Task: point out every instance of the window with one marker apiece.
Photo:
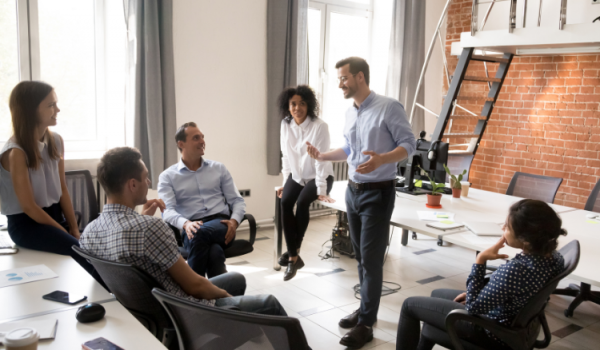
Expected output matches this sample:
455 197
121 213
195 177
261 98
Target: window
78 47
338 29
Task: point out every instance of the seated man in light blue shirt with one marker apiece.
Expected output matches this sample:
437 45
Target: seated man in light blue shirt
202 202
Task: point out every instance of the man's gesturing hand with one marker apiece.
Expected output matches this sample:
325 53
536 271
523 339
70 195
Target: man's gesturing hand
150 207
313 152
232 225
190 228
373 163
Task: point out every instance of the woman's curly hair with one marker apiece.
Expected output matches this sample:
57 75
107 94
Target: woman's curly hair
306 93
537 224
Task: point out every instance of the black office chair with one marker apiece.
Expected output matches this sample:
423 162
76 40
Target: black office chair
459 162
83 196
133 289
532 186
238 248
211 328
525 328
583 292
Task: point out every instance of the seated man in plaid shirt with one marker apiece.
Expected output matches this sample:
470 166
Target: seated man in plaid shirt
121 234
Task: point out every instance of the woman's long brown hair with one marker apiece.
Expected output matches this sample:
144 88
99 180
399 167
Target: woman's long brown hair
24 101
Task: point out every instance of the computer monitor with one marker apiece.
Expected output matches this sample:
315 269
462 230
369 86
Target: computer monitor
414 167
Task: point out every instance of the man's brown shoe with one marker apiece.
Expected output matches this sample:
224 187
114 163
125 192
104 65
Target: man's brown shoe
357 337
350 320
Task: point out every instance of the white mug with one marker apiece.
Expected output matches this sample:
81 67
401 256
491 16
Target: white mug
21 339
465 188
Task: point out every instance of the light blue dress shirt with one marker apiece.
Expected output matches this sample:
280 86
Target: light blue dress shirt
192 195
379 125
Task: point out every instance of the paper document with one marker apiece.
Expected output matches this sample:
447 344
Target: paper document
435 216
45 328
25 275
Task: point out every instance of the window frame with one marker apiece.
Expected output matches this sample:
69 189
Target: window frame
30 69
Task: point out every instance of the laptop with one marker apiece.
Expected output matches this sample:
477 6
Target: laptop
484 228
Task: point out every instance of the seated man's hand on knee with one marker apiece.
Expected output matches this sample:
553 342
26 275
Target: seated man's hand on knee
232 226
191 227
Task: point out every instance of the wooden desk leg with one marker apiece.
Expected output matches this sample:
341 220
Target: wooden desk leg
404 237
277 234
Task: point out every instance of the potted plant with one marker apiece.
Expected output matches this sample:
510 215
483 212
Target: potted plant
455 182
434 199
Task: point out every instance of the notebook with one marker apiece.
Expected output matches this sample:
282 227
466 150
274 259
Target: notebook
484 228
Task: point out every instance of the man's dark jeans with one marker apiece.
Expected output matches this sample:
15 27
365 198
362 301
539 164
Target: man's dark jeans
206 254
369 214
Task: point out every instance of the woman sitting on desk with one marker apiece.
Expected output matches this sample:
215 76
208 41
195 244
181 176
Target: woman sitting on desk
532 226
33 191
304 179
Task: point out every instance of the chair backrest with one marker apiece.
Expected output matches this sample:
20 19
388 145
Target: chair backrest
532 186
459 162
133 289
593 202
536 304
207 328
83 195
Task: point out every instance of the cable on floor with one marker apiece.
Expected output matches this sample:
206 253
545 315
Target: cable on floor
385 290
329 254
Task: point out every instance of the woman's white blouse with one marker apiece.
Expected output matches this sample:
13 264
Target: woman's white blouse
296 161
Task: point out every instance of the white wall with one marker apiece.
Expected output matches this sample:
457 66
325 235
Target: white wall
220 81
434 75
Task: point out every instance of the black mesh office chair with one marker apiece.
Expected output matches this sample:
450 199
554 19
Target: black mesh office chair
239 246
583 292
525 328
83 196
133 289
459 162
210 328
532 186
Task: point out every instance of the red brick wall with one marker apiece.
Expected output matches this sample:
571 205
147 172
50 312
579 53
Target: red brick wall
546 120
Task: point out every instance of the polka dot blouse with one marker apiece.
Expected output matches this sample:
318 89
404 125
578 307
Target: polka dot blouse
511 286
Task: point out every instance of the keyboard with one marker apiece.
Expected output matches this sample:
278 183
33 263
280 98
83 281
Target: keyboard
5 241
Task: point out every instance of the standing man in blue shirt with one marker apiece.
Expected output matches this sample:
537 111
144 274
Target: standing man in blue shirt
202 202
377 136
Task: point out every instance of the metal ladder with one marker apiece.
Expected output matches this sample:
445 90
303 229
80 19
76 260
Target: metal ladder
448 112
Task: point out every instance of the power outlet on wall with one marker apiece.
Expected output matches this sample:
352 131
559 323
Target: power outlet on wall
245 193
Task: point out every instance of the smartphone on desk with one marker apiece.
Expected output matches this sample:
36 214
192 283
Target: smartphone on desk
64 297
100 344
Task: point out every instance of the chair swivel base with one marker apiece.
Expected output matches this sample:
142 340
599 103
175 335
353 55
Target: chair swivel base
581 293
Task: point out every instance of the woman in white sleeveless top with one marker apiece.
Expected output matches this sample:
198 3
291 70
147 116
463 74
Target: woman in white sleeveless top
33 192
304 179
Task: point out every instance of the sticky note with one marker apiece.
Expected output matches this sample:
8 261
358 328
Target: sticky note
418 183
442 216
592 222
447 222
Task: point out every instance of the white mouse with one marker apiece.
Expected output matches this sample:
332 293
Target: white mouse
593 216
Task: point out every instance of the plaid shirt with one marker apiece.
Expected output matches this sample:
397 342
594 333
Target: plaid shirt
120 234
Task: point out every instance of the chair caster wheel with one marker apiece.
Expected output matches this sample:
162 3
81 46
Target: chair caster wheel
568 313
414 236
440 242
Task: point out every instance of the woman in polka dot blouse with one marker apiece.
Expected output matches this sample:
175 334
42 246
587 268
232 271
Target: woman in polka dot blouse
532 226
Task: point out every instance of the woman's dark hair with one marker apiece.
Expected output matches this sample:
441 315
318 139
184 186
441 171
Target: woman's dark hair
306 93
118 166
536 223
24 101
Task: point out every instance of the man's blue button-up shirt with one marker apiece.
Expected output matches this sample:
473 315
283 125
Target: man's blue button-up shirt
192 195
379 125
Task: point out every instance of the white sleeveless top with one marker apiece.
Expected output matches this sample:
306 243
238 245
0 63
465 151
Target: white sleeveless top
45 181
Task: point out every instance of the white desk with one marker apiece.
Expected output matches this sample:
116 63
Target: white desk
575 222
118 326
26 299
479 206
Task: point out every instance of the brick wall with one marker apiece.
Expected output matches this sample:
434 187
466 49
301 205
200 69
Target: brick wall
546 120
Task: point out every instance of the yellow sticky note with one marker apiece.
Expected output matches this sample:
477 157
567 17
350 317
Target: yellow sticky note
443 216
592 222
418 183
447 222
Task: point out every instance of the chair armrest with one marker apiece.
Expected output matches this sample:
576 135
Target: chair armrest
508 336
252 225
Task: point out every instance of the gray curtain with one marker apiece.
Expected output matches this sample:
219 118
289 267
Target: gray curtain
151 82
407 55
287 64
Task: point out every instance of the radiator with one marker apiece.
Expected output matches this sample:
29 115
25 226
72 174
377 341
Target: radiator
340 173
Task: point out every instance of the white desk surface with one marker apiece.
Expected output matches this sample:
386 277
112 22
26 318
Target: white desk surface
118 326
575 222
478 206
26 299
